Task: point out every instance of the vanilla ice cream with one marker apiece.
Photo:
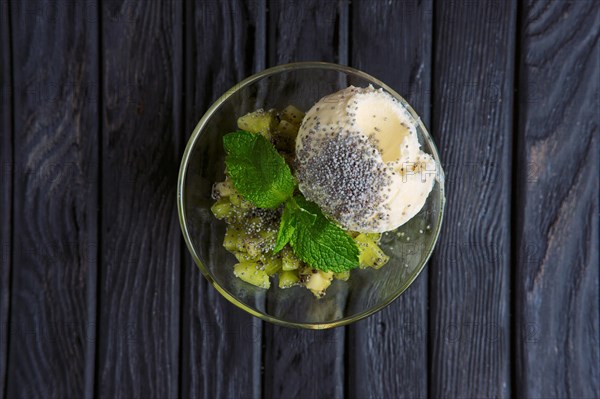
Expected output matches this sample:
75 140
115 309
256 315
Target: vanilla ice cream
358 158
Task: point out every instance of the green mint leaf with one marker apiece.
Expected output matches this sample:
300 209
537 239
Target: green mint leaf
320 243
309 208
286 226
259 173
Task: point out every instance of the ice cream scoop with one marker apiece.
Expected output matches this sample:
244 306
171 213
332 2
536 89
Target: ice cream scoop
359 158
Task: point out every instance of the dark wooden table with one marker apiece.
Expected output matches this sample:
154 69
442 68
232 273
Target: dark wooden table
98 296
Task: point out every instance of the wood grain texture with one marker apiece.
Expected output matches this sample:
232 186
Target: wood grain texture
304 363
76 118
55 70
304 31
389 349
557 324
6 187
472 124
138 325
221 344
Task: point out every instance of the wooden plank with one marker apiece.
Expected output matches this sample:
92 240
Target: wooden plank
389 349
302 363
556 275
304 31
221 344
55 71
138 334
6 186
472 124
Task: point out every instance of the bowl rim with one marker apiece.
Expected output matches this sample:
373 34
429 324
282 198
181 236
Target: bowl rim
183 173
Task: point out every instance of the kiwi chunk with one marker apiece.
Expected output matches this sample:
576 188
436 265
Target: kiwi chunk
243 256
222 208
289 260
250 244
251 272
288 278
316 280
237 240
260 121
292 115
272 264
370 253
375 237
239 202
231 242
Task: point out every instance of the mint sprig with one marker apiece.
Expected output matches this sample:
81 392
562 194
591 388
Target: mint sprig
258 171
286 226
320 243
261 175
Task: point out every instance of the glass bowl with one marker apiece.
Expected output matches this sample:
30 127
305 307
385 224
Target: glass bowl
367 291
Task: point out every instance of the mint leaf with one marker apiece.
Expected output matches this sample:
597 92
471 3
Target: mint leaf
259 173
287 226
309 208
320 243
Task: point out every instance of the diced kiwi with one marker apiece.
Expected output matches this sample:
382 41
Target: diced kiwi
370 253
317 281
222 208
256 244
253 224
288 278
268 236
375 237
292 115
259 121
252 273
243 256
289 261
344 276
237 240
239 202
250 244
272 264
231 242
